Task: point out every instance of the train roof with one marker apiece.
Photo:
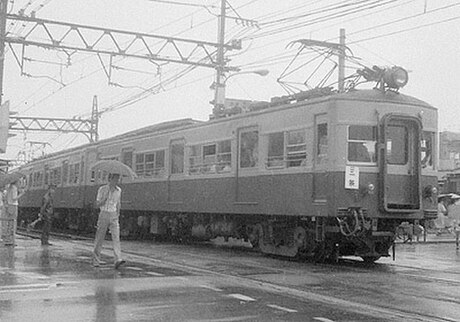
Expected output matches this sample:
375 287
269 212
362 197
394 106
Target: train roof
308 97
376 95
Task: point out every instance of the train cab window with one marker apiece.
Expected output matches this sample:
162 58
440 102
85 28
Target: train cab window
362 140
275 150
249 146
177 158
321 143
397 144
296 148
427 150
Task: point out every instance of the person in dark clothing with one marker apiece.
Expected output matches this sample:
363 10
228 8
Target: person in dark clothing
46 214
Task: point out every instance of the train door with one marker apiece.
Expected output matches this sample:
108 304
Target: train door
321 159
400 164
176 170
247 160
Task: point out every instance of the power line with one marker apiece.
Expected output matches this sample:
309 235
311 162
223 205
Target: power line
405 30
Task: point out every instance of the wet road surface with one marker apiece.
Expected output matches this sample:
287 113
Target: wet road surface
167 282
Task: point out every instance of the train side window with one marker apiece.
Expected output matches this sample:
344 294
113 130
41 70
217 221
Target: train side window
71 173
76 173
65 171
397 144
140 164
321 143
177 158
275 150
47 175
145 163
427 150
159 162
209 158
56 176
149 164
296 148
249 146
127 157
362 140
224 156
195 159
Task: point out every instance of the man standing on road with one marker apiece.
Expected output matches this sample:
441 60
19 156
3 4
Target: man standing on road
109 201
46 214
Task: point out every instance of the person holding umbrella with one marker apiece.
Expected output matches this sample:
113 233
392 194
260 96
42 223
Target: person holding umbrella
109 201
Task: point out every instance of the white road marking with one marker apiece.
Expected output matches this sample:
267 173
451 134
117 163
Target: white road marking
322 319
210 287
25 287
134 268
282 308
242 297
32 275
154 274
232 319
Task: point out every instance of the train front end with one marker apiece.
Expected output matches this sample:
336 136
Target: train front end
388 184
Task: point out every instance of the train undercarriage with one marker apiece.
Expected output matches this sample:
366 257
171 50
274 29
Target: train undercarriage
319 238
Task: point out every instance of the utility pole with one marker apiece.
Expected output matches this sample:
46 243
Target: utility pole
219 92
341 83
94 134
3 12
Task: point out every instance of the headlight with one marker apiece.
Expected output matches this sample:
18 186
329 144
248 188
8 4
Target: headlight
396 77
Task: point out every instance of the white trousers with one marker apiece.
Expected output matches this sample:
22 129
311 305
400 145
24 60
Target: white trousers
107 220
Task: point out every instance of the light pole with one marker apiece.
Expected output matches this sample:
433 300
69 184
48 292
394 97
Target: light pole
219 90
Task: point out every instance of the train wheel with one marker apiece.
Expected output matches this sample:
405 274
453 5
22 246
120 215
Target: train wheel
370 259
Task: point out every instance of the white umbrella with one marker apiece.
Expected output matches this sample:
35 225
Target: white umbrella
114 167
11 177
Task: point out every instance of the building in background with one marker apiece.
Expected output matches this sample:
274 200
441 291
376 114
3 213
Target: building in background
449 161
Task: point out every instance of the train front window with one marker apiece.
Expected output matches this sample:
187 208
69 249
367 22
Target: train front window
362 140
397 144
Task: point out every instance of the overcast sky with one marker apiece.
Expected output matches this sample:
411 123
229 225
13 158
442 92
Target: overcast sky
422 36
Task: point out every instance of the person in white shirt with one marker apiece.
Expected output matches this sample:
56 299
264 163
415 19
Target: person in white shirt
109 201
11 213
